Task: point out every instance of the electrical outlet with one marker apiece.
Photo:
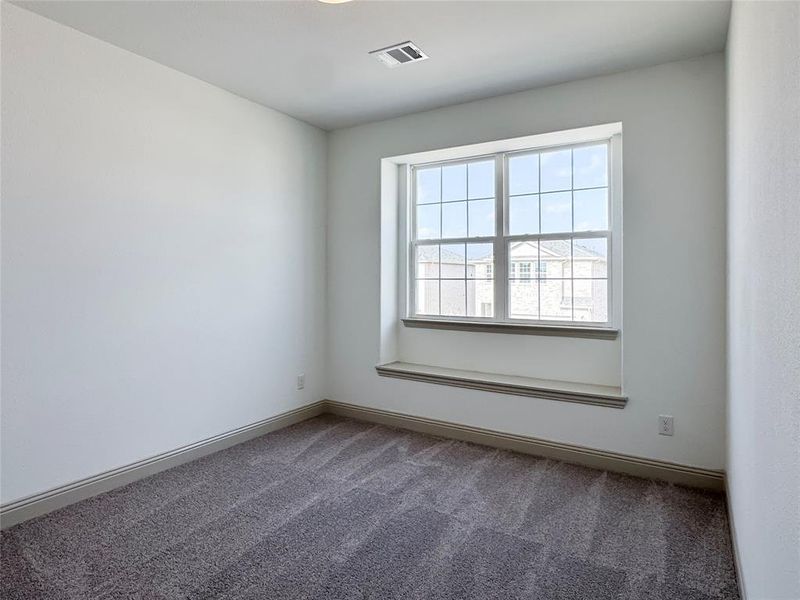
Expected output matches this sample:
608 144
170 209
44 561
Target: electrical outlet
301 381
666 425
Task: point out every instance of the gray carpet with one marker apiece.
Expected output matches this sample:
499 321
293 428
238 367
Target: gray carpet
338 509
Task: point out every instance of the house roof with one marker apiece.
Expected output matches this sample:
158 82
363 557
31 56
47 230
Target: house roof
556 249
553 248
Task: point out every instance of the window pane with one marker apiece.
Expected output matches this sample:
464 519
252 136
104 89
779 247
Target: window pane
480 258
523 299
591 210
427 262
429 185
590 166
523 214
556 170
480 298
523 174
454 183
454 220
481 218
519 253
556 259
556 299
481 179
590 257
591 300
556 212
454 297
428 221
427 297
453 260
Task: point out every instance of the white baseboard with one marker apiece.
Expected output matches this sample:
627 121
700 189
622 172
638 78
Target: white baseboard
737 557
36 505
591 457
50 500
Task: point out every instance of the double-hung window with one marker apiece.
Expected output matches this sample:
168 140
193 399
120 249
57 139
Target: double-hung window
513 237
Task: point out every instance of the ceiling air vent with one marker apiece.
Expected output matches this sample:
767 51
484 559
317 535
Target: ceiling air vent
399 54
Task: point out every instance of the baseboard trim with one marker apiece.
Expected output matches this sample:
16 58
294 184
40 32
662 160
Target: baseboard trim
36 505
591 457
40 504
737 557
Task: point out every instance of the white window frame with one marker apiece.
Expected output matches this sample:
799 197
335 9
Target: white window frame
501 239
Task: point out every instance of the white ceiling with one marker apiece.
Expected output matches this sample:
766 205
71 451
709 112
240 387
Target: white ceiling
310 60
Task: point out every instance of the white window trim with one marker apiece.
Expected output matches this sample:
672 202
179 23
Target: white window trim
612 134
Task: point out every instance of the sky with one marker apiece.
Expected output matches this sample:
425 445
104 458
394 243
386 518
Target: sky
549 192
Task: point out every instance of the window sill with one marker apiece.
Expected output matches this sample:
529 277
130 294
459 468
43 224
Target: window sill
597 395
595 333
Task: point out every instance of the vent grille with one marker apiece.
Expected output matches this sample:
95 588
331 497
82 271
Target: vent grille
399 54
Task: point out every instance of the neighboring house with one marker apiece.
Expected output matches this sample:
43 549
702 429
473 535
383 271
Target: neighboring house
459 289
565 287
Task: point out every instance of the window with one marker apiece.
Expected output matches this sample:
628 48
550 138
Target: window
520 237
520 272
524 271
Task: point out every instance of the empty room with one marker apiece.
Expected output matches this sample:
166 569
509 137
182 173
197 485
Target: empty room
400 299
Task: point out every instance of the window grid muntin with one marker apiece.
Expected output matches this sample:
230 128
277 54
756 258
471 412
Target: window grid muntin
441 240
501 263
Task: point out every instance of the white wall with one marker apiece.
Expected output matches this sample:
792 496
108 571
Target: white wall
575 360
764 295
163 271
674 213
